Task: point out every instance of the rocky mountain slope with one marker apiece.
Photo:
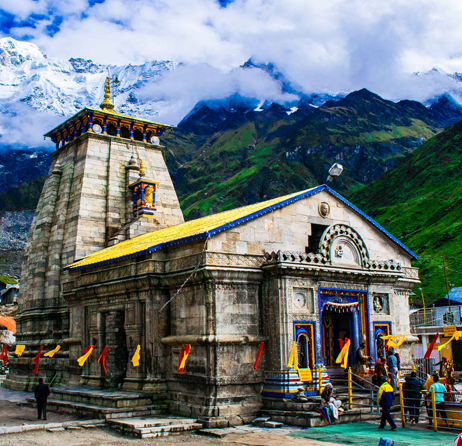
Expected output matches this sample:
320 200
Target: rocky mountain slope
420 202
246 156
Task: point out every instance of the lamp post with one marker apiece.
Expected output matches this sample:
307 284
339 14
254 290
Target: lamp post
423 301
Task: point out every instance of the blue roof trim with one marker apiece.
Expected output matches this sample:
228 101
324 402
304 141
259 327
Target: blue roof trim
248 217
371 221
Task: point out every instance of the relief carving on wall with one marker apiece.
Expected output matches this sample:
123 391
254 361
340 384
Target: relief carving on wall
324 209
302 300
380 304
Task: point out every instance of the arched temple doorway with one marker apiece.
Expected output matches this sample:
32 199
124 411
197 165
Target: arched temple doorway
343 315
304 336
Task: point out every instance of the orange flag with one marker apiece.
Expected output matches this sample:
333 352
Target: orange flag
185 350
51 353
136 357
19 350
86 353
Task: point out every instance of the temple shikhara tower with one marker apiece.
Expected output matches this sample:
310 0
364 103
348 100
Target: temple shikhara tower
111 262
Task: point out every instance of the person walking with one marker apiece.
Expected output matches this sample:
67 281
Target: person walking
440 389
412 392
385 400
42 391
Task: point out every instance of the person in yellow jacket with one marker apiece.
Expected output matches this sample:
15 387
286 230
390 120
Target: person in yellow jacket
385 400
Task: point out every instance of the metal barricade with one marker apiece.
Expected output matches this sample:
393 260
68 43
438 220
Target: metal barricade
442 410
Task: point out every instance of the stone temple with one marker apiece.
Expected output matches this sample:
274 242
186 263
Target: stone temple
111 262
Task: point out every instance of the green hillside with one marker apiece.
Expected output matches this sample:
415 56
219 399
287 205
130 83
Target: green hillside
420 202
269 156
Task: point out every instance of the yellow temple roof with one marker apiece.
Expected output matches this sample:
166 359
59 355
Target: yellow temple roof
185 232
207 226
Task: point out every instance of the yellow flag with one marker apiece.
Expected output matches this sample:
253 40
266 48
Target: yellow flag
51 353
136 357
455 336
83 358
343 355
396 344
293 357
19 350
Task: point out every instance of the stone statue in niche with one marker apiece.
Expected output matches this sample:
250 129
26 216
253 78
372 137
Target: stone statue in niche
339 251
149 194
378 304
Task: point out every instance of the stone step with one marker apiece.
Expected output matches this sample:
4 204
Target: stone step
98 397
309 406
147 427
102 412
314 419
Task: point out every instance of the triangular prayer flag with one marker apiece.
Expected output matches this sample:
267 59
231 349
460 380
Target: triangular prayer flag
37 359
185 350
19 350
136 357
4 354
103 356
293 357
86 353
260 349
51 353
431 346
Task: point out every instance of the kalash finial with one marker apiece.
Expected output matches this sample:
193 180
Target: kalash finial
142 171
107 104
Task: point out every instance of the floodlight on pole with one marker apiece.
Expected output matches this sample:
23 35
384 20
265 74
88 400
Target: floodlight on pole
334 171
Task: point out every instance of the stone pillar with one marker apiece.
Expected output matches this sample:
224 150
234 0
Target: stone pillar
117 354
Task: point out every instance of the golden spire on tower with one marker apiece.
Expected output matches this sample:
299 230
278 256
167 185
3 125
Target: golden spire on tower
107 104
142 170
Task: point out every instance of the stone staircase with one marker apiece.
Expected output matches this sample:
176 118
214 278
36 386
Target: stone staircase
306 414
103 404
154 426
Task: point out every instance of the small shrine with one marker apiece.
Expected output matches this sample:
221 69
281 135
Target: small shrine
144 195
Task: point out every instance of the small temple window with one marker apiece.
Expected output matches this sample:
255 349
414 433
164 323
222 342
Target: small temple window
111 129
315 237
138 135
125 132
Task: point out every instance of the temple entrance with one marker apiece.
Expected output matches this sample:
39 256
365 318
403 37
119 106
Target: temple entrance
304 336
336 325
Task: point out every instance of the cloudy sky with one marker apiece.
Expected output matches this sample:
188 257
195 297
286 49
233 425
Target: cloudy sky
328 44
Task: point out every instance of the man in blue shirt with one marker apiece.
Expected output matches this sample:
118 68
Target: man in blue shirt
392 367
439 397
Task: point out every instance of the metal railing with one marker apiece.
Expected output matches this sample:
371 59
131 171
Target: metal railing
439 414
436 317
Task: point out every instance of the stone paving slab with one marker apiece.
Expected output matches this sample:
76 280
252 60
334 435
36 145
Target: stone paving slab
51 426
138 423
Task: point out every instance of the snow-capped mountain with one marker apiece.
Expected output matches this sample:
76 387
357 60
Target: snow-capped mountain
64 87
38 92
